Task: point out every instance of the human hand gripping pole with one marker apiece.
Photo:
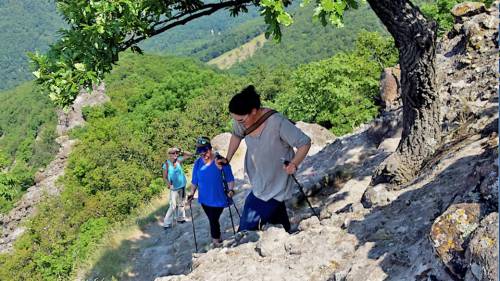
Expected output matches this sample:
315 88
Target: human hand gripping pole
286 163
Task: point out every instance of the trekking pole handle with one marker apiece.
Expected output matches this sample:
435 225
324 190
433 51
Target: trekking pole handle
287 162
220 157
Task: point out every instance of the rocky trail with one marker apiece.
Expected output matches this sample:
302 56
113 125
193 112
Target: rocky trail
443 225
156 252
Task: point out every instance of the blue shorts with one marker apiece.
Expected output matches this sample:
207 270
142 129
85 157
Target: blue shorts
257 213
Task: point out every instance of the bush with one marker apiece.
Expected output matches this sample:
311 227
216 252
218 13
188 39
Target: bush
338 93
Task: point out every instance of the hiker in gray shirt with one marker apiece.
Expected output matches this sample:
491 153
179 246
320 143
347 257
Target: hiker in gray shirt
268 143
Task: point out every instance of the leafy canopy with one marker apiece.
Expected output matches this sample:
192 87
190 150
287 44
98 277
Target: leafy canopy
99 30
338 93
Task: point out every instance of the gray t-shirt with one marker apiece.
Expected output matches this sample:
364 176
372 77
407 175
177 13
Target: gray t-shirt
263 162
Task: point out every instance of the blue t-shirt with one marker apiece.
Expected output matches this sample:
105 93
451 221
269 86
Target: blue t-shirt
175 175
208 178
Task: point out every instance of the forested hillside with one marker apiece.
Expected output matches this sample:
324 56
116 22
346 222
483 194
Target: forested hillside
316 74
27 140
156 103
23 32
208 37
27 25
307 40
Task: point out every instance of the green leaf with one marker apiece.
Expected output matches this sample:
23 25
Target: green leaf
79 66
328 5
285 19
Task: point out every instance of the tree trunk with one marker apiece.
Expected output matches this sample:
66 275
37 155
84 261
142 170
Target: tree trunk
415 38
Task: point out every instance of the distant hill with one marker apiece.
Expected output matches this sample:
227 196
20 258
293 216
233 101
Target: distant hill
205 38
306 41
208 37
27 25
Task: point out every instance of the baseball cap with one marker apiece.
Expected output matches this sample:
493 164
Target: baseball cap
202 144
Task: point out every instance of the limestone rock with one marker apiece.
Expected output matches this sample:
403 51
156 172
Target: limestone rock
220 143
376 196
390 86
482 253
320 136
386 130
468 9
465 71
451 230
489 189
271 242
73 117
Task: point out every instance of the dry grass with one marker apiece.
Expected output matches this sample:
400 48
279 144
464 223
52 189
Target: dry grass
130 230
239 54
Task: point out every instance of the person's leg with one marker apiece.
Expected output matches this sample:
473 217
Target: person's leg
251 217
257 213
168 219
181 212
280 216
213 214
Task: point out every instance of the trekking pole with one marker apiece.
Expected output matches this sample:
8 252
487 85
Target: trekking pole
232 222
226 191
194 231
286 162
229 200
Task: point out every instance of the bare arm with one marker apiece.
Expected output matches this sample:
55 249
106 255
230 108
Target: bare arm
234 143
193 191
185 155
299 157
165 178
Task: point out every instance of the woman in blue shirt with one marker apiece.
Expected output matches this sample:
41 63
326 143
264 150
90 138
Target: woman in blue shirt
207 179
174 177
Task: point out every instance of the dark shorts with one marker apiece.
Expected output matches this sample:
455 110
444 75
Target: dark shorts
257 213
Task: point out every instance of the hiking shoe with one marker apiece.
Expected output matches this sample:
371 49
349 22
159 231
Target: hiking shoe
181 221
165 227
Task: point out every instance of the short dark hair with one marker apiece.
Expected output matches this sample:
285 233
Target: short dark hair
246 100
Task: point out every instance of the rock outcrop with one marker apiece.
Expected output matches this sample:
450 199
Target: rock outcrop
390 87
46 180
482 253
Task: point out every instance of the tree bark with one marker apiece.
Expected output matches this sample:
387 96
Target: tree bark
415 38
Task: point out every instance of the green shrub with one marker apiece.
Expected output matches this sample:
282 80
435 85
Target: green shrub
338 93
440 11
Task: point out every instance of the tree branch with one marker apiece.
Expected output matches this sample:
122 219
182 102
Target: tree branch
183 18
